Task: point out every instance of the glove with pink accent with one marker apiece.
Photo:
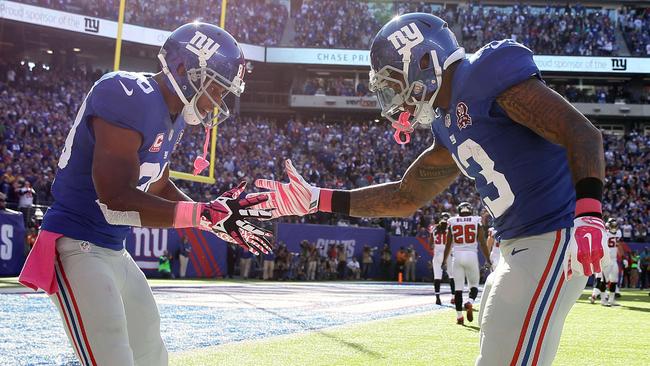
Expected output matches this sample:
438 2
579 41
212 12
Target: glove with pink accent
296 198
587 252
228 218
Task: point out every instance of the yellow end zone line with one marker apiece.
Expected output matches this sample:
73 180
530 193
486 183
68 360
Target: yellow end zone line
191 177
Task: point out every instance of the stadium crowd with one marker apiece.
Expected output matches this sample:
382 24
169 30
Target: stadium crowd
337 86
260 22
635 24
38 106
554 29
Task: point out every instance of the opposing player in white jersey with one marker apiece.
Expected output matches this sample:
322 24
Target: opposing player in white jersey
605 282
493 247
437 241
610 273
465 232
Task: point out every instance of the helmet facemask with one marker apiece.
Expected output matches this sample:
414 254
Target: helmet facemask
201 80
394 91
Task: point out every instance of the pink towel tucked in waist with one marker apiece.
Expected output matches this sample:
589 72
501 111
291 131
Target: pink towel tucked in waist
38 271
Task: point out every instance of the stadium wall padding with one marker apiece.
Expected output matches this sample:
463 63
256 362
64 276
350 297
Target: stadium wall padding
208 255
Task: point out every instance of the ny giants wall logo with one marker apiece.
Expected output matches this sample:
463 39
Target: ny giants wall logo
405 39
202 46
462 116
91 25
619 64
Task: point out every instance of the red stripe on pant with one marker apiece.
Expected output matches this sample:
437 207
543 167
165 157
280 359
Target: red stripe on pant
67 323
76 310
533 301
547 319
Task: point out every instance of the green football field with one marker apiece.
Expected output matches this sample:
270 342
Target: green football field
593 335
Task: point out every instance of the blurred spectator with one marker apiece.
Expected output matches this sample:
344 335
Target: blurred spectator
366 261
245 263
644 268
269 265
635 26
342 260
164 265
354 268
3 202
400 261
184 256
231 259
409 266
312 262
634 269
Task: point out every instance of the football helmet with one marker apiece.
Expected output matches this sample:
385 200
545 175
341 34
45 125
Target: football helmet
612 225
445 216
407 59
209 55
465 209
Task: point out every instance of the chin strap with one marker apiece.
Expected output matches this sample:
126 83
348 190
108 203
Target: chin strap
403 125
200 163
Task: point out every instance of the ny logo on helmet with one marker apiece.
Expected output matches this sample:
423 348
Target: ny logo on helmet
202 46
405 39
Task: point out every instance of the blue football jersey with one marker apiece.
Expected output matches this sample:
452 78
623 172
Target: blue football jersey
128 100
523 179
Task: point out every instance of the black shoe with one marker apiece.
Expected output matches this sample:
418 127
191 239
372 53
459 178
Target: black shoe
438 302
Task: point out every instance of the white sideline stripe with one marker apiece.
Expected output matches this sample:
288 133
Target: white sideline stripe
147 264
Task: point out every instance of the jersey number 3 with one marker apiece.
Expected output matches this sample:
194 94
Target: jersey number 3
505 198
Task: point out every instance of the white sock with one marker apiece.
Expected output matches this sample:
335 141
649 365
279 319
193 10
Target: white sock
459 314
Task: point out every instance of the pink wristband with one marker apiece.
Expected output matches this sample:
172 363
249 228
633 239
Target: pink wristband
187 214
588 205
325 200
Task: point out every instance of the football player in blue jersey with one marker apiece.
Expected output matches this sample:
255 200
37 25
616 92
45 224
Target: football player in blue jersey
536 161
114 174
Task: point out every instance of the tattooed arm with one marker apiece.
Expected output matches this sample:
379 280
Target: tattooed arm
536 106
432 172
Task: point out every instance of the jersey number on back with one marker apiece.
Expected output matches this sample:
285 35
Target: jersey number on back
439 238
464 234
505 198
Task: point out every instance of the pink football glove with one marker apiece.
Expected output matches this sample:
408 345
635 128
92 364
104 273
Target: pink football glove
296 198
587 247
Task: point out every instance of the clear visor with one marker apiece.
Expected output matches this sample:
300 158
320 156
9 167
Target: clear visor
201 79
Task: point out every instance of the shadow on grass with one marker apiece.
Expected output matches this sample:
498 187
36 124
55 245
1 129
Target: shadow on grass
356 346
473 328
